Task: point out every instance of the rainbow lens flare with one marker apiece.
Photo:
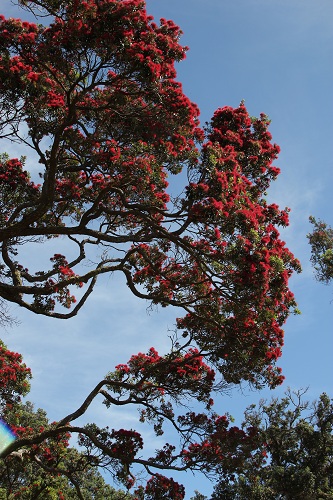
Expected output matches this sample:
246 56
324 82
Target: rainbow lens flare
7 436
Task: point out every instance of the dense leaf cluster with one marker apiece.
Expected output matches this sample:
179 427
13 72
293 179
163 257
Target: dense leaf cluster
321 241
294 459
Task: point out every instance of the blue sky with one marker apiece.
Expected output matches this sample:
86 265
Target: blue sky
277 55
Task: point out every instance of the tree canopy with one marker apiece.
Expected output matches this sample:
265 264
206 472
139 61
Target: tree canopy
294 458
321 241
93 98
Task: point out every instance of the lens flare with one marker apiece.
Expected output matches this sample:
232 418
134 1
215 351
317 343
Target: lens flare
7 436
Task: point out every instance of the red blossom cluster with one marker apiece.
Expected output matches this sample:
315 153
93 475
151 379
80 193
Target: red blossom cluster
156 375
16 187
161 487
14 376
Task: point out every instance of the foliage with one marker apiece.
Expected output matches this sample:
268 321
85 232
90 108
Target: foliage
321 241
93 98
294 459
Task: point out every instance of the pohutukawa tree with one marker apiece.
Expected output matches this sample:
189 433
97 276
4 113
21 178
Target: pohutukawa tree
94 100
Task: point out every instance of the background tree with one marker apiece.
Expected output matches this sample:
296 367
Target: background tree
295 456
93 97
198 496
321 241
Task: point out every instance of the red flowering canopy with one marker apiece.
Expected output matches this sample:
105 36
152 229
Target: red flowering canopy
94 99
93 96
